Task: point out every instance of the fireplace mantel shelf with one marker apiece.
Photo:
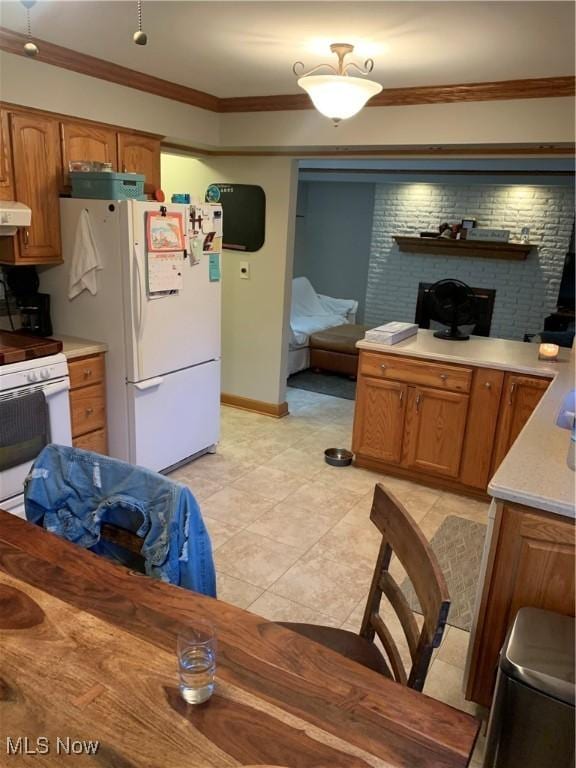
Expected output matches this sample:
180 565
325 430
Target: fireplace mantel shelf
479 249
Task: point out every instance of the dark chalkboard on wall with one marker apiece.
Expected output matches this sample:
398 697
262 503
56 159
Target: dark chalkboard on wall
244 209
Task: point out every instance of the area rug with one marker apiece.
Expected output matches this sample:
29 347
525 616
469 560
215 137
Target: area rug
458 545
324 383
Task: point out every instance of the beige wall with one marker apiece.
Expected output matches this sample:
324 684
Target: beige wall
479 122
34 84
254 312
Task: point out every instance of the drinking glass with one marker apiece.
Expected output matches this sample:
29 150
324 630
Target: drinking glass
197 661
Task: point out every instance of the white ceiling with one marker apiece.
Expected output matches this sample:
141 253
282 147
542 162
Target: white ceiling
247 48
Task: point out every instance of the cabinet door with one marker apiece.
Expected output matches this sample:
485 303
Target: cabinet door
521 395
379 420
140 154
481 427
531 563
83 141
435 427
36 159
6 189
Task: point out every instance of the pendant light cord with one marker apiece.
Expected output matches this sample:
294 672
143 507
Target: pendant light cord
139 15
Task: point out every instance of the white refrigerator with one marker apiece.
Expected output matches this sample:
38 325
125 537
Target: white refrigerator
163 358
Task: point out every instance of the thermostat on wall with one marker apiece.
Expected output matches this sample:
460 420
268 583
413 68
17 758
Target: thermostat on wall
244 213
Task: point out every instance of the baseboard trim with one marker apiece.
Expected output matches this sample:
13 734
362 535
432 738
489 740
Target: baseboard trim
276 410
429 481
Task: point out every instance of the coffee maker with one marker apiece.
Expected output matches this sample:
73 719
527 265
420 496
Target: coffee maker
34 307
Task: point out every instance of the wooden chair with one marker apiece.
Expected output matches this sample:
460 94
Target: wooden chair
400 536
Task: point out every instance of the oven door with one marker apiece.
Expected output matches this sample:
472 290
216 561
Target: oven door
56 394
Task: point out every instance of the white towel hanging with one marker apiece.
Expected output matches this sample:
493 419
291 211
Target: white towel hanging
85 259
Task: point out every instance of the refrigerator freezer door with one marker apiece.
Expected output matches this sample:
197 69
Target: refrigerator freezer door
169 332
174 416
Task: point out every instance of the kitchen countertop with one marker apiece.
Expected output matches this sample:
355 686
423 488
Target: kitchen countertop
74 347
534 472
503 354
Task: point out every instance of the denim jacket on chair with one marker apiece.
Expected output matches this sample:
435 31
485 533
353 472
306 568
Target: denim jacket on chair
71 492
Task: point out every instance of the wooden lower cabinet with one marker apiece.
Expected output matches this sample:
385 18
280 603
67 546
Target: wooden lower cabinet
434 430
530 563
379 423
88 403
521 395
446 425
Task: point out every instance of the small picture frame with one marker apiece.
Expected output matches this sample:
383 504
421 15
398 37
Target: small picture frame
468 223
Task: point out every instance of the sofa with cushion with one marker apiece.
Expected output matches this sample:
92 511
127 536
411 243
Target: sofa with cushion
310 313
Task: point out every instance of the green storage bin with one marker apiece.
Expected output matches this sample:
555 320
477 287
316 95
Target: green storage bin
108 185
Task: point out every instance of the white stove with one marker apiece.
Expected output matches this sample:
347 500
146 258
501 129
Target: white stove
49 375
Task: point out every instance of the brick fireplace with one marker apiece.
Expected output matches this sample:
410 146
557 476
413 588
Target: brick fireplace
526 291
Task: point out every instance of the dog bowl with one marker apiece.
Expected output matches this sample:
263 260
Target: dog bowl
338 457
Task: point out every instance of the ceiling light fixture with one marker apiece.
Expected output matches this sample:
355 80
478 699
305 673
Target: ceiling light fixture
139 37
338 96
30 48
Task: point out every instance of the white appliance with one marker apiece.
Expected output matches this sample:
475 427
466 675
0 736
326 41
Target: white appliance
12 216
163 359
50 375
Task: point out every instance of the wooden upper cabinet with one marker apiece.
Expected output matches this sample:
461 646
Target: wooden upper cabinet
37 174
435 428
6 183
379 420
521 394
140 154
84 141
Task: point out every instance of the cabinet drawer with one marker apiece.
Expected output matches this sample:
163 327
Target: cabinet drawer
88 370
412 371
87 406
93 441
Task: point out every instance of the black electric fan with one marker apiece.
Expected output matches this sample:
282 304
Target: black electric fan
452 303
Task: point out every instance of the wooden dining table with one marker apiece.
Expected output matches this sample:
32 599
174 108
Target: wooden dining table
88 674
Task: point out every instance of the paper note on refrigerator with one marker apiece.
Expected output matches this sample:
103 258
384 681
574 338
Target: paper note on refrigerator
214 267
165 272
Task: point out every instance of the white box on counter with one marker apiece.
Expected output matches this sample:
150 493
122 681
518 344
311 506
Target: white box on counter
391 333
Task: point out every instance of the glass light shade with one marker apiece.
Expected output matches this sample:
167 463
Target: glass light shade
339 96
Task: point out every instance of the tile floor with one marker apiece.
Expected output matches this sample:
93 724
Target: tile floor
292 535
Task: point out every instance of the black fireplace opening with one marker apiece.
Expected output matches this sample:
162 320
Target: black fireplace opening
484 303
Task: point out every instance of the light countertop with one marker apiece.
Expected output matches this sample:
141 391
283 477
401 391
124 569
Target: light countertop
534 472
503 354
74 347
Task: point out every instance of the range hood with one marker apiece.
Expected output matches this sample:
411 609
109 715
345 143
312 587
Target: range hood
12 216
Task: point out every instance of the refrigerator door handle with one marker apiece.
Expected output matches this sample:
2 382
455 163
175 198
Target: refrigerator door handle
142 386
140 323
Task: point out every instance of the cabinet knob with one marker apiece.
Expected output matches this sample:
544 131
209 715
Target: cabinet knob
89 411
488 384
87 372
26 237
512 390
418 401
383 366
444 376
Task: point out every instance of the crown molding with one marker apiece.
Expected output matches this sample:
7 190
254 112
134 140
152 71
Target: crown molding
480 150
535 88
59 56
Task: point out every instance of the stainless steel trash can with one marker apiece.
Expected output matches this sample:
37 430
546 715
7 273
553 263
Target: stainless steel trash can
532 716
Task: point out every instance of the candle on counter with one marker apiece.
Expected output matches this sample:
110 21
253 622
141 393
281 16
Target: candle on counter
548 352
